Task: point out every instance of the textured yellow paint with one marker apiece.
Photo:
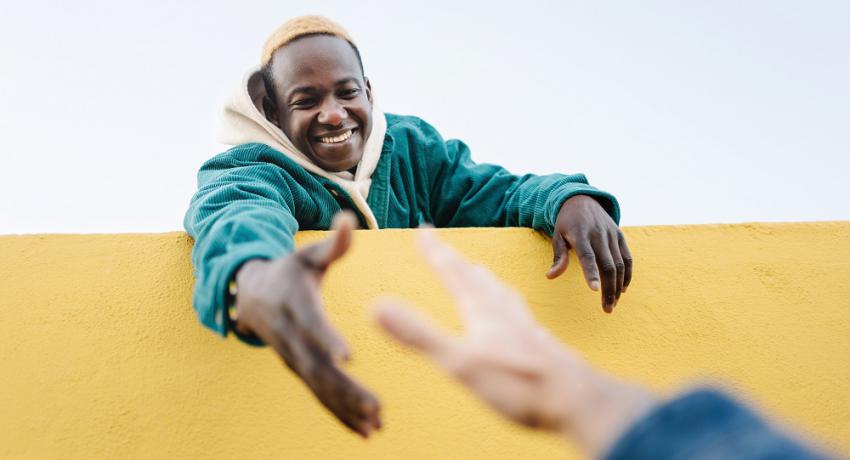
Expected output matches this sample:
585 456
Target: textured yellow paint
102 355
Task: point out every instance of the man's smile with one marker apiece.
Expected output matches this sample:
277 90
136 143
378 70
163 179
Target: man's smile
335 138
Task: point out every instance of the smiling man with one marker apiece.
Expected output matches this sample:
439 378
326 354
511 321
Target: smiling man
309 142
299 78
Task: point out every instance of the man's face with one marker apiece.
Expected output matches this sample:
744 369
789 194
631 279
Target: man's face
323 102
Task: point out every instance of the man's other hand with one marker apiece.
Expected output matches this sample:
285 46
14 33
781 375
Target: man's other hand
279 301
584 226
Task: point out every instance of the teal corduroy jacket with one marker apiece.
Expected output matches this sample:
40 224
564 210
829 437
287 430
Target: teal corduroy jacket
252 199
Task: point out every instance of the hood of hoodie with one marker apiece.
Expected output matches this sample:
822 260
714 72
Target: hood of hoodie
244 122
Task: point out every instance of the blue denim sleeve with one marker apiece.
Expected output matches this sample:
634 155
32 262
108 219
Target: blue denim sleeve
705 424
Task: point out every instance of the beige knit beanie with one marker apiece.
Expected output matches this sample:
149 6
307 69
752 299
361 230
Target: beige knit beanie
299 27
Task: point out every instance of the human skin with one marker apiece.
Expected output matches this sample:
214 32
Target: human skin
320 95
511 362
320 92
582 225
279 302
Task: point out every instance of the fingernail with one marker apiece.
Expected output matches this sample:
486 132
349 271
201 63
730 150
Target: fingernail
594 285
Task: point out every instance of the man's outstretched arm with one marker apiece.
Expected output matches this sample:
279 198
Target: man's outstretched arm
242 210
243 224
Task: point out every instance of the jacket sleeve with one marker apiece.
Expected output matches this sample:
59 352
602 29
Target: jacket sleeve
243 209
466 194
705 424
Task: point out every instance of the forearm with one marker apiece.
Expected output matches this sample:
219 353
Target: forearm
218 255
596 408
472 195
229 232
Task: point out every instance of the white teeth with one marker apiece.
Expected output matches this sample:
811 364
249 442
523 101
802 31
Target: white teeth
336 139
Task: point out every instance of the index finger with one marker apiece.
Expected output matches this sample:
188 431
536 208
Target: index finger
355 407
352 404
608 270
627 259
587 259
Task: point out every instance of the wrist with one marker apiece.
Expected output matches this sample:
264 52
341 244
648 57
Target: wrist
241 278
601 409
248 268
579 199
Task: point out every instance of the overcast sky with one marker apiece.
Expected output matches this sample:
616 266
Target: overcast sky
689 112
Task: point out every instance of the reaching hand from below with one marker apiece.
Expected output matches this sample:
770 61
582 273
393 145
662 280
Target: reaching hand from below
510 361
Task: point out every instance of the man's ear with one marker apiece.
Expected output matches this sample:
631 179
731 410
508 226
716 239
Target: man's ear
368 89
270 109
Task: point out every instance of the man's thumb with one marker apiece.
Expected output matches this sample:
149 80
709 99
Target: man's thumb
560 257
322 254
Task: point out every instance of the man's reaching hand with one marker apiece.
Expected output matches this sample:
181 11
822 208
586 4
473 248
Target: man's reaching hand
279 302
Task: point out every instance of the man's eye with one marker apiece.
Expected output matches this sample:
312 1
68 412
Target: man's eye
349 93
302 103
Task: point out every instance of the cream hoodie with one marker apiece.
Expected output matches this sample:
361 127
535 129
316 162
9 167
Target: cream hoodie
244 122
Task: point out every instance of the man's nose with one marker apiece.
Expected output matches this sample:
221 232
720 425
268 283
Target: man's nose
332 113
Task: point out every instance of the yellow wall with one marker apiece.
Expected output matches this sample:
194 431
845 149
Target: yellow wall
101 355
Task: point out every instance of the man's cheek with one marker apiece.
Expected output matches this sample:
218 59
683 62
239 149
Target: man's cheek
298 130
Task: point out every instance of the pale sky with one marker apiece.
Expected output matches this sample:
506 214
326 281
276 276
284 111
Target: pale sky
689 112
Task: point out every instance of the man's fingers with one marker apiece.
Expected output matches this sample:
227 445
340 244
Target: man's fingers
560 256
349 402
354 406
323 336
608 272
587 258
305 304
319 255
627 259
282 337
343 226
620 267
411 329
